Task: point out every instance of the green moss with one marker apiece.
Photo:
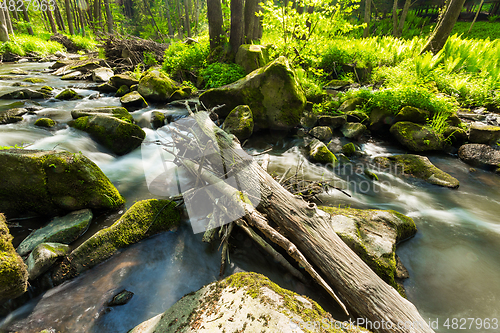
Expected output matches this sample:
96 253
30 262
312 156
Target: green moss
35 80
349 149
46 88
122 91
157 86
68 94
417 137
45 122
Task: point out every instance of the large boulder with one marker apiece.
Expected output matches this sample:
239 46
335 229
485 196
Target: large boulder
417 137
353 130
24 94
373 235
418 166
319 153
239 122
119 80
322 133
157 86
119 136
332 121
102 74
412 114
50 183
143 219
114 111
244 302
133 100
351 104
273 93
12 115
43 257
480 155
482 133
13 273
65 230
381 120
45 122
251 57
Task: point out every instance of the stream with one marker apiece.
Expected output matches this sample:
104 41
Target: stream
453 261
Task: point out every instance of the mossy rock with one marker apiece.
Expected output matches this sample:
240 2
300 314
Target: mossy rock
122 91
332 121
24 94
180 94
115 111
43 257
12 115
49 183
336 84
106 88
412 114
65 230
353 130
13 273
133 100
420 167
119 136
455 135
18 71
86 66
381 120
68 94
143 219
119 80
357 116
157 86
417 137
34 80
46 89
373 235
45 122
349 149
239 122
322 133
352 104
272 92
482 133
318 152
74 75
134 87
244 302
252 57
309 119
480 155
157 119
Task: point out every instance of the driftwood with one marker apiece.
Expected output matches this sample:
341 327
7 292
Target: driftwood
304 231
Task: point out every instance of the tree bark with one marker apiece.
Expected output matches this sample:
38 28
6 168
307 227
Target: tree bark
82 20
236 34
4 33
187 23
368 13
395 18
69 17
250 10
27 19
8 22
402 20
215 23
475 17
109 17
171 31
443 29
59 19
179 19
51 21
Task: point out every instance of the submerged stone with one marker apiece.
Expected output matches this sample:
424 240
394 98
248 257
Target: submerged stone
43 257
417 137
239 122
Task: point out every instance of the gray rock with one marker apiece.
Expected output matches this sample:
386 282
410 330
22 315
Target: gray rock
480 155
322 133
332 121
133 99
24 94
353 130
335 145
417 137
63 230
119 80
412 114
72 75
352 104
482 133
102 74
106 87
43 257
309 120
12 115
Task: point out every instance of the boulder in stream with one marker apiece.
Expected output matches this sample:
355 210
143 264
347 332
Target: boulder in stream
480 155
332 121
120 136
272 92
319 153
322 133
13 273
12 115
43 257
102 74
353 130
133 100
381 120
419 167
119 80
482 133
114 111
157 119
239 122
68 94
143 219
122 91
49 183
24 93
157 86
417 137
45 122
244 302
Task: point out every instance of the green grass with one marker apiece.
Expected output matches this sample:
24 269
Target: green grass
83 43
480 30
22 44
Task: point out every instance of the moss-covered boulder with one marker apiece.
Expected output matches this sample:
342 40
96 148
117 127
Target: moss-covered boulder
272 92
417 137
119 136
13 273
418 166
50 183
381 120
45 122
72 75
412 114
239 122
244 302
480 155
352 104
19 71
122 91
353 130
482 133
455 135
119 80
133 100
102 74
43 257
252 57
24 94
332 121
157 119
319 153
65 230
157 86
12 115
373 235
143 219
180 94
348 149
336 84
106 88
322 133
68 94
113 111
357 116
34 80
309 119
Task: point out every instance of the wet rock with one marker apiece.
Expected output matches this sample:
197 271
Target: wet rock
24 94
308 120
252 57
181 94
480 155
119 80
353 130
335 145
133 99
122 91
143 219
412 114
113 111
45 122
332 121
18 71
68 94
119 136
106 87
12 115
373 235
122 298
43 257
34 80
49 183
381 120
239 122
482 133
102 74
318 152
156 86
242 302
417 137
71 75
322 133
356 116
471 116
65 230
13 273
455 135
352 104
419 167
157 119
272 93
21 84
349 149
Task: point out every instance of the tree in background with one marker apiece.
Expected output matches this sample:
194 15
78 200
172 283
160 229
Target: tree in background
215 24
4 34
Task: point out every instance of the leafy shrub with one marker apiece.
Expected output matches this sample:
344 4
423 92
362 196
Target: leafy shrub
180 58
83 43
220 74
149 58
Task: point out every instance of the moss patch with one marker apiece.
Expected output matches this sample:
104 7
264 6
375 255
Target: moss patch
157 86
68 94
239 122
45 122
35 80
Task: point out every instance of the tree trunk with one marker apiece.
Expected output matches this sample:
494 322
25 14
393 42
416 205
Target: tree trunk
171 31
250 10
395 18
311 237
187 23
51 21
27 19
179 19
258 29
82 19
443 29
69 17
368 13
402 20
215 23
475 17
109 17
8 22
4 33
196 16
59 19
14 13
236 34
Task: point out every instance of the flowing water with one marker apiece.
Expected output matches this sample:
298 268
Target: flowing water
453 261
